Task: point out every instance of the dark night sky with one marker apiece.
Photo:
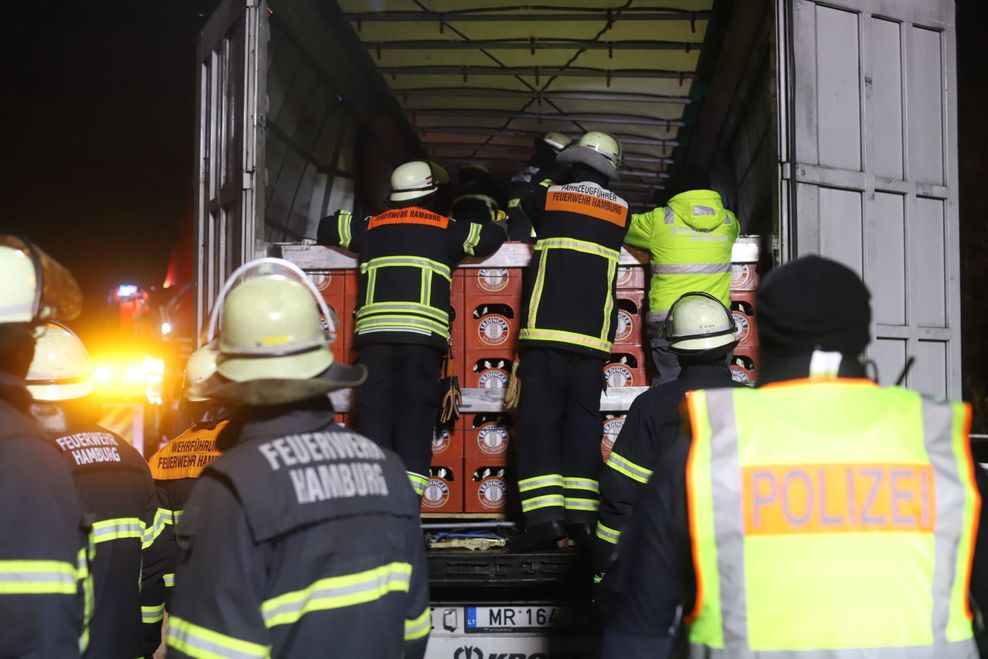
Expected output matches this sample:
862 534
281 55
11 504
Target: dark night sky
98 139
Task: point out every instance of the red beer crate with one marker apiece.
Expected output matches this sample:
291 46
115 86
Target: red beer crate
342 418
613 422
457 317
333 286
485 485
447 442
481 282
743 310
486 435
626 368
491 322
629 319
744 276
630 277
744 365
444 493
487 369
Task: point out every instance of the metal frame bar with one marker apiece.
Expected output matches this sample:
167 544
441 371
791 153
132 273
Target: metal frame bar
500 14
609 118
522 132
495 92
547 71
626 156
532 44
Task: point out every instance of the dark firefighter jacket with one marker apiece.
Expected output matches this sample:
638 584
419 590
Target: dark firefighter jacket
45 586
541 166
302 540
407 256
651 426
580 228
118 498
175 468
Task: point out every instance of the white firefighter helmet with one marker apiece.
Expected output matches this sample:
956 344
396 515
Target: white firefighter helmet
600 151
35 286
557 141
272 327
698 321
199 368
60 369
412 180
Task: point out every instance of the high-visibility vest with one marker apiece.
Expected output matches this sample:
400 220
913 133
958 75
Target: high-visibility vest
830 519
687 256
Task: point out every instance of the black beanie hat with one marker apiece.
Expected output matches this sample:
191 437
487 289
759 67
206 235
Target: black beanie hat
813 303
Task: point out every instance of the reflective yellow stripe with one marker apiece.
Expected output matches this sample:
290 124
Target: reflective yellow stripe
407 262
169 579
584 246
607 534
337 592
37 577
514 203
581 484
533 304
344 229
84 578
169 516
203 643
546 501
402 308
121 528
582 504
400 324
535 334
628 468
473 239
157 528
536 482
547 183
419 627
371 287
609 304
152 614
418 481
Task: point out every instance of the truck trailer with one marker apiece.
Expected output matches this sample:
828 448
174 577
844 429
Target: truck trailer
828 127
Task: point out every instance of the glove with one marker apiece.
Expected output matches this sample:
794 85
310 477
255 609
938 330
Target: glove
513 393
449 411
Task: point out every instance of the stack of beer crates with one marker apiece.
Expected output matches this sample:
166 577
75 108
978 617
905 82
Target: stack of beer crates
744 281
339 290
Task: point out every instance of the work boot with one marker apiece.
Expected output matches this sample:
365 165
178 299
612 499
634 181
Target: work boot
548 535
581 535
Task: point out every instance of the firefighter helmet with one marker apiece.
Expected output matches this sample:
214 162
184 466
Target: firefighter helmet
35 286
200 367
557 141
698 321
60 369
600 151
412 180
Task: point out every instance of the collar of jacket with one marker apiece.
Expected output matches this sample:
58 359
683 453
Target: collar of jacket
13 391
774 368
251 423
720 368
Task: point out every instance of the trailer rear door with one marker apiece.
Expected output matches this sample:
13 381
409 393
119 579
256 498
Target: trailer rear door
869 162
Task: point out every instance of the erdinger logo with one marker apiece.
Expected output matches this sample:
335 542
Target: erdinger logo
744 329
492 439
468 652
493 378
618 375
492 280
493 330
436 493
321 280
624 275
739 375
741 274
491 493
625 325
473 652
440 440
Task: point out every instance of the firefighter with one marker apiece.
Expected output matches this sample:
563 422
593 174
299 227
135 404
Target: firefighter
702 334
480 197
45 589
690 240
565 342
117 495
303 538
407 256
542 165
818 515
177 464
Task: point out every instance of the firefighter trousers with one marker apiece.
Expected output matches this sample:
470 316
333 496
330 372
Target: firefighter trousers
559 433
397 407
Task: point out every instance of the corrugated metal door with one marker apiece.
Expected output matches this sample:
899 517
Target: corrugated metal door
228 146
869 167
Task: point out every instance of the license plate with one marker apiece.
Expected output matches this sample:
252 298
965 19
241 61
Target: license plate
493 619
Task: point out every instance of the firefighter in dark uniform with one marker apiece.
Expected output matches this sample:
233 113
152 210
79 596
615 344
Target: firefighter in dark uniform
177 464
407 256
480 196
702 334
303 538
541 166
565 342
117 494
45 588
804 518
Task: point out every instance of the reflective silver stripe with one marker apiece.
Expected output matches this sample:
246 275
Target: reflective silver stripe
547 501
418 481
152 614
124 528
37 580
725 471
628 468
579 246
958 650
400 308
690 268
407 262
938 421
572 503
581 484
156 529
534 483
607 534
197 641
668 215
169 579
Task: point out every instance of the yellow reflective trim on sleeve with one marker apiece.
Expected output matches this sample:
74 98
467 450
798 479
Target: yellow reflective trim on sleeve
419 627
514 203
84 577
607 534
546 501
473 238
588 484
536 482
418 481
337 592
343 224
152 614
624 466
203 643
38 577
169 579
573 503
120 528
169 516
